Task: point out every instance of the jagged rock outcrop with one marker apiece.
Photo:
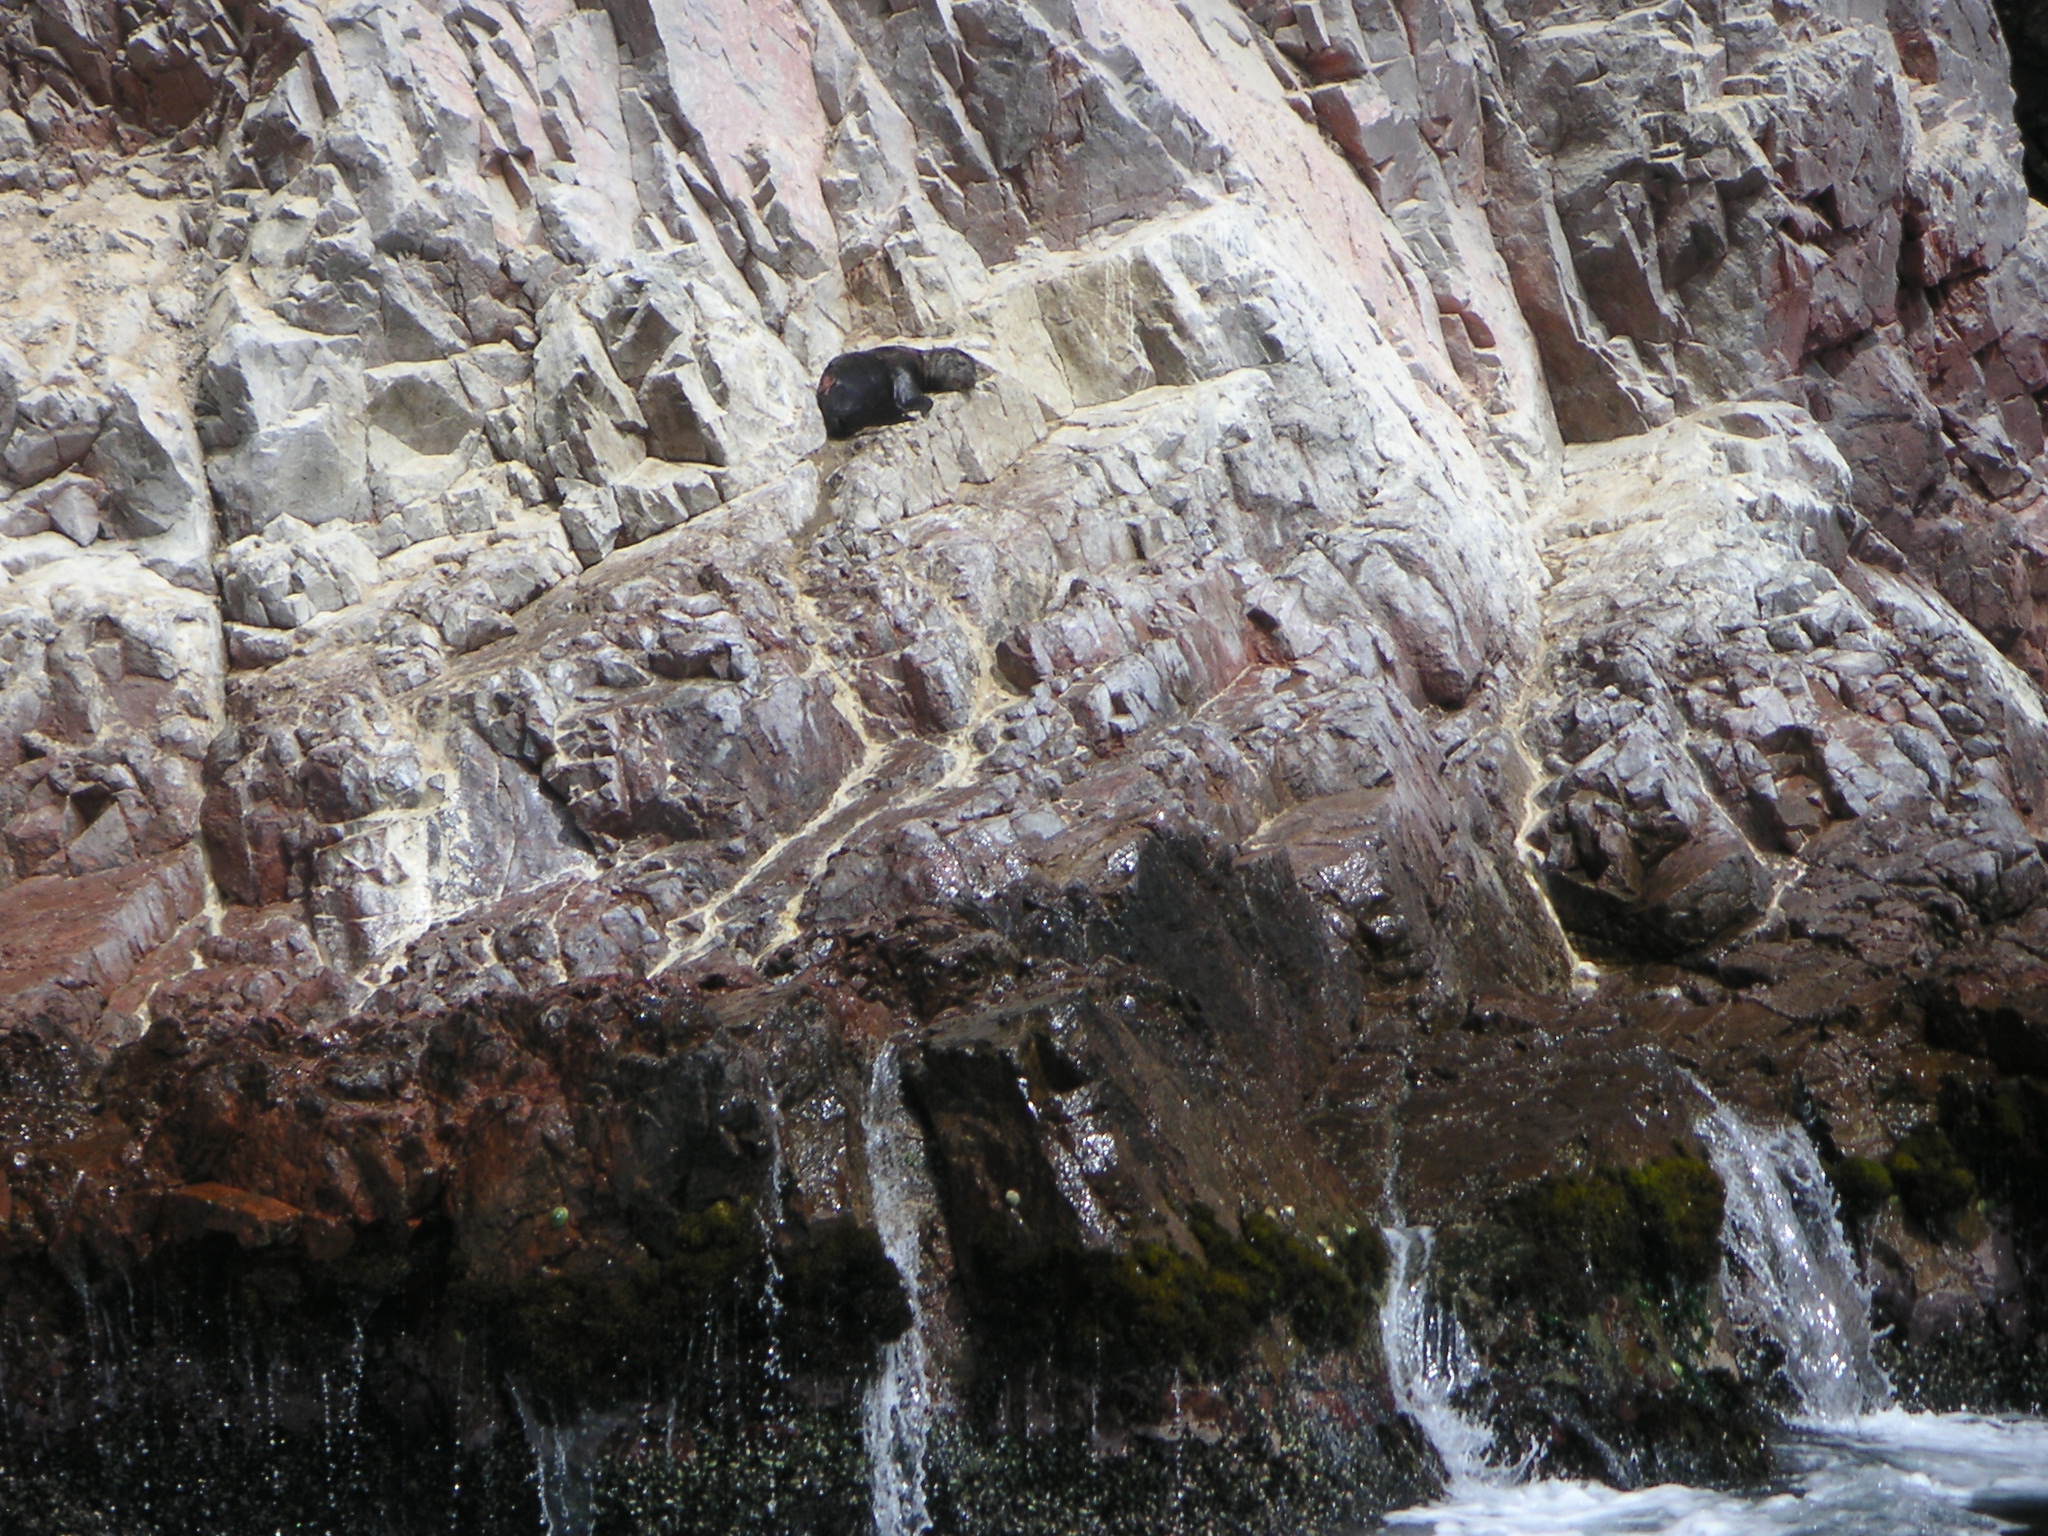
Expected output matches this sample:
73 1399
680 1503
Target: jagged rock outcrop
1493 566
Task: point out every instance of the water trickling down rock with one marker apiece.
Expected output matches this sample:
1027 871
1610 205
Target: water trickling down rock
1789 1273
896 1418
1429 1363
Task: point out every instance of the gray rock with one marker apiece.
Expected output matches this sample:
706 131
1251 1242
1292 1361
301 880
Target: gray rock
580 403
72 504
683 423
658 496
148 456
16 142
714 384
590 519
14 378
55 427
291 571
292 405
423 405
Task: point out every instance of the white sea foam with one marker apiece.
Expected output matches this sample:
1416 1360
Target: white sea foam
1848 1471
1882 1474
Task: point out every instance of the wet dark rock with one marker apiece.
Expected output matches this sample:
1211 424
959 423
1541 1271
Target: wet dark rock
1289 1459
1594 1298
2026 37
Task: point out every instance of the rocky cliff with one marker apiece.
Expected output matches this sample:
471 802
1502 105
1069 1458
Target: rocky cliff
1489 585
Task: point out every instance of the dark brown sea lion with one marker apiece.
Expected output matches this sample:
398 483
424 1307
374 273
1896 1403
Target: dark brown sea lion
886 385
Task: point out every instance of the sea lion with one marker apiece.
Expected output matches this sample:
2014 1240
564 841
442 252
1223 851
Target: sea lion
886 385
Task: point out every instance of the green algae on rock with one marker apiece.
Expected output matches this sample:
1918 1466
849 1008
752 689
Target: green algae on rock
1581 1236
1108 1314
1593 1299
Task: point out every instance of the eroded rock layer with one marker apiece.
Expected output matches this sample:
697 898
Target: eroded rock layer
1486 591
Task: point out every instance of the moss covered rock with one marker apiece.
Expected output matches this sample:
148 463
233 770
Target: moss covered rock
616 1332
1119 1314
1578 1237
1592 1299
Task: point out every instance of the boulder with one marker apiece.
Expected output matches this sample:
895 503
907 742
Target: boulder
55 427
582 408
15 377
658 496
291 406
291 571
148 457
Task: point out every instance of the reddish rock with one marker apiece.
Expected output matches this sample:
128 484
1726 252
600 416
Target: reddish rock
252 1220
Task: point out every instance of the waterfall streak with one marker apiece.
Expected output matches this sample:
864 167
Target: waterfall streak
562 1506
1430 1361
1788 1273
896 1418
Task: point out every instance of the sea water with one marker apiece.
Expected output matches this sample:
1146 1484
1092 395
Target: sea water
1883 1474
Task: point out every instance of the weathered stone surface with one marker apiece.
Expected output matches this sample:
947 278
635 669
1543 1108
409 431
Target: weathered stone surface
290 405
584 411
288 573
148 456
1494 562
655 496
113 683
1779 662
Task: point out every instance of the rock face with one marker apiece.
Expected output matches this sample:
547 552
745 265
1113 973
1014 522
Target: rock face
1489 579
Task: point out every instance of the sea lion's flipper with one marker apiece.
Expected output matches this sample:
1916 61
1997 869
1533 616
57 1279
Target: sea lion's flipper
908 394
